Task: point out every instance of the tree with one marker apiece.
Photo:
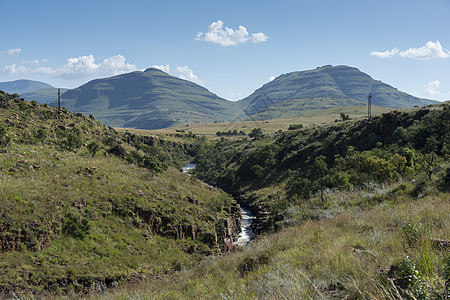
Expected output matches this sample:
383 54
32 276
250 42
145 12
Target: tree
344 117
93 147
256 133
318 177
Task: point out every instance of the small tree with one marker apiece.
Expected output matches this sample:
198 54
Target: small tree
344 117
256 132
93 148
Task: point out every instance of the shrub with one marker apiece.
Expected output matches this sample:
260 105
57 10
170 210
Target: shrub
409 277
4 138
72 226
93 147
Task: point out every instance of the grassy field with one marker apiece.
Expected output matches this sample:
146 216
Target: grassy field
269 126
345 254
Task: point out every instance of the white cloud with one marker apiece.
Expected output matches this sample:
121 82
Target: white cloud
164 68
14 69
431 88
229 37
271 78
85 66
77 67
184 72
428 51
35 62
13 51
385 54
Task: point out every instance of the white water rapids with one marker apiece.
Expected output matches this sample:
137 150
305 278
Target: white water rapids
246 233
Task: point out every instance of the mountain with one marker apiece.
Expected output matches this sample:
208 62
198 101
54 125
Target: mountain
324 87
46 95
23 86
151 99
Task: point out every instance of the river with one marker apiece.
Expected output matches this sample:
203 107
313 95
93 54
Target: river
246 233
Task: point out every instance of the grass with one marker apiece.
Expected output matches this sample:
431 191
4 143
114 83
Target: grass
271 126
70 219
339 257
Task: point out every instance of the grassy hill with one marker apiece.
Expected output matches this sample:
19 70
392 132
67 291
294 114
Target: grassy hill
358 210
297 93
150 99
23 86
84 208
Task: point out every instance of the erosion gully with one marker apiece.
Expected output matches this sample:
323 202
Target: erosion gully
247 218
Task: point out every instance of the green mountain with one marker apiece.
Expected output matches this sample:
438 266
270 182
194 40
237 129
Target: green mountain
45 95
151 99
23 86
325 87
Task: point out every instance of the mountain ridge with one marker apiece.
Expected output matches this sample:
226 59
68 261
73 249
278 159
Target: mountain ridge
153 99
22 86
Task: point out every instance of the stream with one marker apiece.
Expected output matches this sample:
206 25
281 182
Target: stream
246 233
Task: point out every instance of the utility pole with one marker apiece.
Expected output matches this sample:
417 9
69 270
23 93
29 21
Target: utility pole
369 108
59 99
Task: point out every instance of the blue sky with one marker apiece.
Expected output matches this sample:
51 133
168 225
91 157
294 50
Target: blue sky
230 47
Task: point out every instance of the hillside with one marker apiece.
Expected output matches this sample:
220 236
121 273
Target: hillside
84 208
151 99
46 95
354 209
325 87
23 86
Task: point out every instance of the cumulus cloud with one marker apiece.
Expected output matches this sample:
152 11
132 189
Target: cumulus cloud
85 66
13 51
431 88
184 72
428 51
385 54
229 37
14 69
76 67
164 68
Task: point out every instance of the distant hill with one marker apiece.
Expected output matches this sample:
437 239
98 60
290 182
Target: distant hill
46 95
149 100
23 86
153 99
325 87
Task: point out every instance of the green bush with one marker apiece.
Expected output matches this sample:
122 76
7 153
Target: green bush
72 226
409 277
4 138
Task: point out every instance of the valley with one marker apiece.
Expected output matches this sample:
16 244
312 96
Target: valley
343 206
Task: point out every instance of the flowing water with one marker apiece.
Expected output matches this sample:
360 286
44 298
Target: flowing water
246 233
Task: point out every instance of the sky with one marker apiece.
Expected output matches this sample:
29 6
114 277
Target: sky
230 47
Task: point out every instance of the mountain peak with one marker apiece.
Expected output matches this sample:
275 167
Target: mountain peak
325 87
152 69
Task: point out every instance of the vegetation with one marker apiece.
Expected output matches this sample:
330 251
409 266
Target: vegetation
357 209
83 206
